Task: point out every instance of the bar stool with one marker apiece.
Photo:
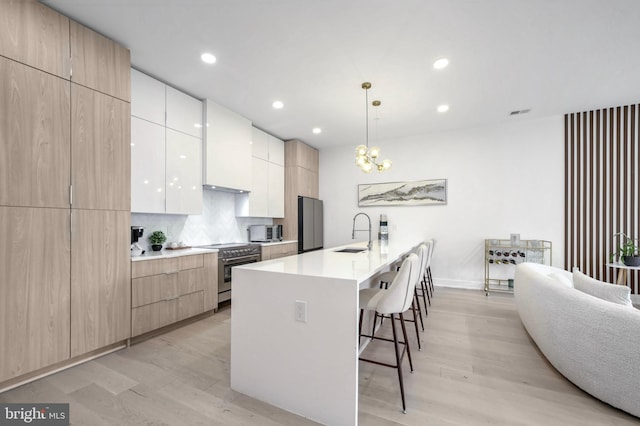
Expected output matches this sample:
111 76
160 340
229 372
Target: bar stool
428 276
393 302
424 285
387 277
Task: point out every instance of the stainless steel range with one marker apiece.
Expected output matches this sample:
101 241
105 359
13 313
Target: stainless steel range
230 255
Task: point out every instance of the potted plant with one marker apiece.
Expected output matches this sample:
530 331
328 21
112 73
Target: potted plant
627 251
157 238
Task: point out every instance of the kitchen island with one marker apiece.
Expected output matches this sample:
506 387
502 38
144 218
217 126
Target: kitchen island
294 328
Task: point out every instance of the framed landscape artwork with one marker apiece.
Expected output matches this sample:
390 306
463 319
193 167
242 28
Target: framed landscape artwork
416 193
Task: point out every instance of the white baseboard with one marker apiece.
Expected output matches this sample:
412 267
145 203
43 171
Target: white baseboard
463 284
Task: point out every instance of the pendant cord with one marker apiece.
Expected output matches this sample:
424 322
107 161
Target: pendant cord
366 99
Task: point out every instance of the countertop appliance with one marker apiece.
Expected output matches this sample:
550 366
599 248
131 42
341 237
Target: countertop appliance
136 233
265 233
310 224
230 255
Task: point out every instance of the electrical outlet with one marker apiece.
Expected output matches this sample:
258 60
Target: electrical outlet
301 311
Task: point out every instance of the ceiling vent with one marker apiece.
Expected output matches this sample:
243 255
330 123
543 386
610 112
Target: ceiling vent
520 111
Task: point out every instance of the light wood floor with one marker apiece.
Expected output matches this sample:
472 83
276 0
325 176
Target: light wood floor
478 366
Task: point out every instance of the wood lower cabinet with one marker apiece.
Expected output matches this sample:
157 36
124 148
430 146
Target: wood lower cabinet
153 316
168 290
190 304
35 147
100 279
34 289
276 251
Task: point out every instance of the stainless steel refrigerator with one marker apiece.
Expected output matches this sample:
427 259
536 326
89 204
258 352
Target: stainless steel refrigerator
310 224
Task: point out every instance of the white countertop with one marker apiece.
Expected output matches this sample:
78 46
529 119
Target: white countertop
275 243
328 263
163 254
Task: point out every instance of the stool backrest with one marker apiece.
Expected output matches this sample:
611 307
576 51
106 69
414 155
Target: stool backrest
432 245
423 254
399 296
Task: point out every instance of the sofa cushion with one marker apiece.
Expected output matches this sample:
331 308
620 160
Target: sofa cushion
560 278
611 292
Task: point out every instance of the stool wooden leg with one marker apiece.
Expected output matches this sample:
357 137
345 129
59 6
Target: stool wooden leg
398 358
425 294
416 302
360 325
415 322
430 279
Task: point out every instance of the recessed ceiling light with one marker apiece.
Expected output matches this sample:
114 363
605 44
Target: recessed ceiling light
197 125
443 108
208 58
277 104
317 130
441 63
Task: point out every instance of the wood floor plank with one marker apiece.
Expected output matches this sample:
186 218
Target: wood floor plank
477 366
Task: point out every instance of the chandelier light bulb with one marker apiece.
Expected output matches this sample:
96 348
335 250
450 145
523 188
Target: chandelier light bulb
366 158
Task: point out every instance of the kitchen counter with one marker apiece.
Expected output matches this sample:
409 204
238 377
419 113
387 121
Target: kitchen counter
275 243
294 328
329 263
163 254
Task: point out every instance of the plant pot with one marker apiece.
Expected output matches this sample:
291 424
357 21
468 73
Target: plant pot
631 260
156 247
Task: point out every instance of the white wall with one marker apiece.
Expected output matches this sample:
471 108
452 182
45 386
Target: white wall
501 180
217 223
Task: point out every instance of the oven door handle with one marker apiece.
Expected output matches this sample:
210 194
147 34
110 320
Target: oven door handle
239 259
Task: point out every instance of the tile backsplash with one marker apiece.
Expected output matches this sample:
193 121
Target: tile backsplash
217 223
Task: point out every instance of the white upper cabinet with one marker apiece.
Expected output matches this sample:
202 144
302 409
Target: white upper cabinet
166 148
183 181
147 98
184 113
147 166
228 148
276 150
259 195
259 144
266 198
275 206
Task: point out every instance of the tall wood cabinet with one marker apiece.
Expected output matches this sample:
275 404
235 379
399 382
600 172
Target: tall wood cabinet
64 190
33 34
34 288
301 178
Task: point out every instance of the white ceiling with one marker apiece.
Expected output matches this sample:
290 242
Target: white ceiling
553 56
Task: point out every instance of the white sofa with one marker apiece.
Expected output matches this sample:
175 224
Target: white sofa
593 342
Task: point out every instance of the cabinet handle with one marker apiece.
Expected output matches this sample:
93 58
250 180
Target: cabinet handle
171 273
169 300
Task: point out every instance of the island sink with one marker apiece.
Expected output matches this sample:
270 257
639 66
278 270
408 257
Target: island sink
351 250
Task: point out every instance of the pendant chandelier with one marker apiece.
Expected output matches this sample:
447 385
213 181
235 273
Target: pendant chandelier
367 158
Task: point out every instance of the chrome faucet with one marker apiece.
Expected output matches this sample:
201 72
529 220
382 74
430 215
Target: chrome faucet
353 230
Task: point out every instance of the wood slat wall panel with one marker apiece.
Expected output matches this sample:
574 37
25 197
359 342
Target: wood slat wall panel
601 186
